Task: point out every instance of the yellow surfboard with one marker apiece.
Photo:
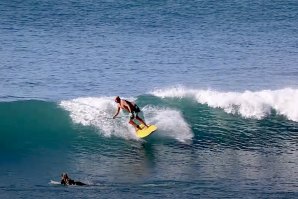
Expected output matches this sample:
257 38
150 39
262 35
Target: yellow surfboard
144 132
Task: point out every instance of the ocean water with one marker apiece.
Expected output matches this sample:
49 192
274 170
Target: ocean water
218 79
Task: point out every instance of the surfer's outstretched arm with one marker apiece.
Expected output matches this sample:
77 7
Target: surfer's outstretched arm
118 110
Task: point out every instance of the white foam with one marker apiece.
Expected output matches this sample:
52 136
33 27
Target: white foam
178 92
99 111
170 123
248 104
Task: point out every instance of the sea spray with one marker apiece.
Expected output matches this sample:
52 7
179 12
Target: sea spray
98 112
170 122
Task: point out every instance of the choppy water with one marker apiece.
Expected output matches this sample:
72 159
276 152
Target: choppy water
218 78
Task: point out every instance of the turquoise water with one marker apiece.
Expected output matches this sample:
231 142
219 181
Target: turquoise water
218 78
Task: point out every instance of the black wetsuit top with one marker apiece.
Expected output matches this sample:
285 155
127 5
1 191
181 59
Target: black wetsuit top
72 182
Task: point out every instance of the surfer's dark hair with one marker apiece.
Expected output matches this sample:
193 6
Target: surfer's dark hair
117 99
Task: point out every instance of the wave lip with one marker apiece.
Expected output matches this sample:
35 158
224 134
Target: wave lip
248 104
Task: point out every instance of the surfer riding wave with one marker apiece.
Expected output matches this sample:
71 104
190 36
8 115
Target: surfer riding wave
132 108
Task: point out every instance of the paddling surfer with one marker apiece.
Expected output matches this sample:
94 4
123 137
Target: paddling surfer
65 180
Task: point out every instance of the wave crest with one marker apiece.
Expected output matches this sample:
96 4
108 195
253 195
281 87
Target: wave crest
248 104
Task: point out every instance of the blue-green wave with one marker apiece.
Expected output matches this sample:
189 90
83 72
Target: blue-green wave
32 124
37 125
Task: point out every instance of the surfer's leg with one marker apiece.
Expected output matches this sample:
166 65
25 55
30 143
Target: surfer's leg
132 117
141 120
137 127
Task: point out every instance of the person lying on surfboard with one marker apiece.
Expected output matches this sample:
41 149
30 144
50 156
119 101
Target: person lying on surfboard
132 108
65 180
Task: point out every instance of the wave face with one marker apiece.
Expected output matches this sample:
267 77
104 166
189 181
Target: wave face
32 125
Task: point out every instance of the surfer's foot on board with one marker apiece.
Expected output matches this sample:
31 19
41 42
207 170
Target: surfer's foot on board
145 126
138 127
